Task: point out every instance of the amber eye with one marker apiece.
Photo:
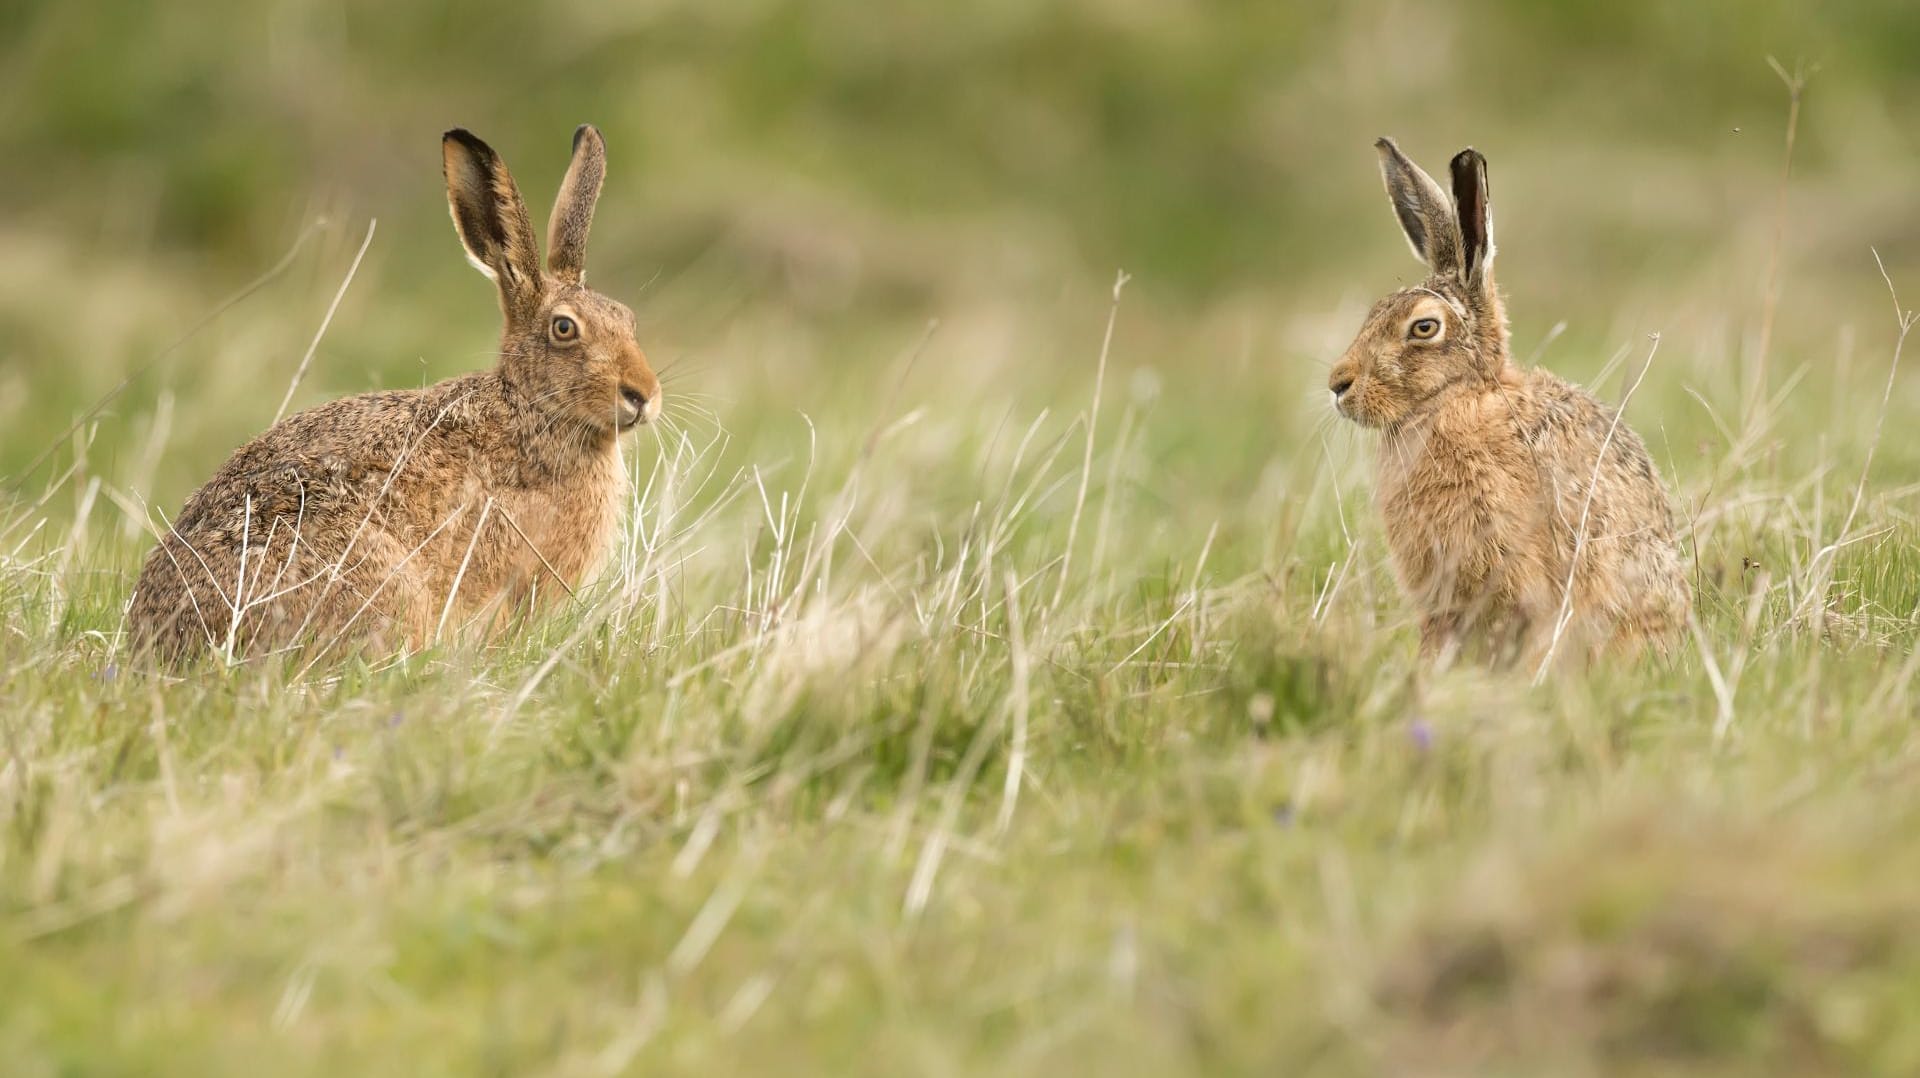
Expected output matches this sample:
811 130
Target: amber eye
564 328
1424 329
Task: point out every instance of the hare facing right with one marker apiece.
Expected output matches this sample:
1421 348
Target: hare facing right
380 521
1523 516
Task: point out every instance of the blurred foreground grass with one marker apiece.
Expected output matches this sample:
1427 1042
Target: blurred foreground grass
857 763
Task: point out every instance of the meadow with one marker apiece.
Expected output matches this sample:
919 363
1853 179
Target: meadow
1001 671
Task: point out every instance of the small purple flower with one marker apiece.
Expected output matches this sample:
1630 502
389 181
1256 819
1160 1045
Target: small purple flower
107 673
1283 814
1421 734
394 720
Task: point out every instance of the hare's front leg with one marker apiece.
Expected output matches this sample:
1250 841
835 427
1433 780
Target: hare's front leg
1439 637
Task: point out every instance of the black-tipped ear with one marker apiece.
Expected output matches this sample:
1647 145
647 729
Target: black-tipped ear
1422 208
492 220
573 209
1471 208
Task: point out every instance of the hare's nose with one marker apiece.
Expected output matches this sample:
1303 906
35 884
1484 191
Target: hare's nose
634 402
1340 384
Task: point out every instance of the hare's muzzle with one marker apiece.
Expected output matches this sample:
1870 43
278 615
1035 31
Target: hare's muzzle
1337 387
637 406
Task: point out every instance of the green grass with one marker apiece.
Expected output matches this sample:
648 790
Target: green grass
857 762
839 771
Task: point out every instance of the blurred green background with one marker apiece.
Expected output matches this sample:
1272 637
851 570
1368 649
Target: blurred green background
798 189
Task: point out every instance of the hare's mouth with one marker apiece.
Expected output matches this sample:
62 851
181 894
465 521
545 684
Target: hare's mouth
1348 408
635 408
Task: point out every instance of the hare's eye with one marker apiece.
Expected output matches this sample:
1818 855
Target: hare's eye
564 328
1424 329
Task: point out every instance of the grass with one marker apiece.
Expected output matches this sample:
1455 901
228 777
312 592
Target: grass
1001 672
851 765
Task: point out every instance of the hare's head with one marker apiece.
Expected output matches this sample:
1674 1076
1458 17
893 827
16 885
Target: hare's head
1449 329
569 349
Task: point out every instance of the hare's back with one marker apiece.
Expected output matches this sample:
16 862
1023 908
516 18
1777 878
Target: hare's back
1582 444
333 458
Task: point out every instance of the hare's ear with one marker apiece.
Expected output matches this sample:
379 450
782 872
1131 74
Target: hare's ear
1422 208
573 209
492 221
1471 208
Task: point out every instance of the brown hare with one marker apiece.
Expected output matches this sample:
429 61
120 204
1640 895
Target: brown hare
381 520
1524 518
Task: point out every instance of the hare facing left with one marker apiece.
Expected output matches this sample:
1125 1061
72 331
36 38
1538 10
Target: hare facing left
378 521
1518 507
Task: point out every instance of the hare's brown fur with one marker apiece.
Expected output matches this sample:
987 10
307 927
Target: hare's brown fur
1500 486
376 520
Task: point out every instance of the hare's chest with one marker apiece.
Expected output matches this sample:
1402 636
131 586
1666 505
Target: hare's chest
1439 502
566 529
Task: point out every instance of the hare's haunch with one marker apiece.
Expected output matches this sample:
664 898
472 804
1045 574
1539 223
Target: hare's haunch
1522 514
385 519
